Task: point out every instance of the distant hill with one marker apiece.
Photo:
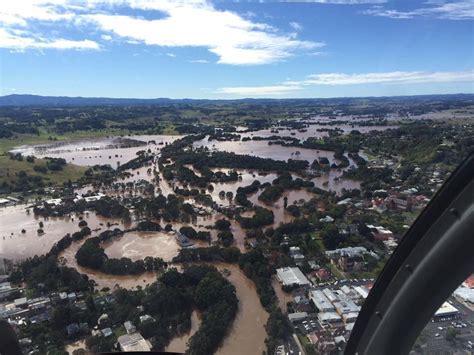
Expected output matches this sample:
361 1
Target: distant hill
58 101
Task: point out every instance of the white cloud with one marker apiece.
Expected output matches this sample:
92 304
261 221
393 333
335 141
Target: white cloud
388 77
17 42
338 2
233 38
172 55
199 61
275 90
452 10
334 79
296 26
17 16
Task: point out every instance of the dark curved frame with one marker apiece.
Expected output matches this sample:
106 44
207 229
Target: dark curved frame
433 258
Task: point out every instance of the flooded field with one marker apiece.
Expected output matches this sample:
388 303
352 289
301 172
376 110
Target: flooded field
264 150
67 257
138 245
314 130
247 335
98 151
16 245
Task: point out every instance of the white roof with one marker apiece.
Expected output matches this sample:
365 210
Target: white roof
327 219
350 251
297 316
328 316
4 200
362 291
346 289
292 276
446 308
330 295
466 294
321 301
133 342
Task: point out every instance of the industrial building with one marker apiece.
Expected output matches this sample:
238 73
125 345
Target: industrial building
292 276
133 342
321 301
446 310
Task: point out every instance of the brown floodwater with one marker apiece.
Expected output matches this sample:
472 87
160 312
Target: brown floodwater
138 245
247 334
89 152
15 245
283 297
312 130
264 150
67 257
180 344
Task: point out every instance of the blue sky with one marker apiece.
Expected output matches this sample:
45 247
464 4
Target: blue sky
223 49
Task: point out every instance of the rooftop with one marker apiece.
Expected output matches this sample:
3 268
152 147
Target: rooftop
133 342
321 301
292 276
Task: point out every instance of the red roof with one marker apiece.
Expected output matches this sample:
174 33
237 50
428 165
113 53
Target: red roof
323 274
469 282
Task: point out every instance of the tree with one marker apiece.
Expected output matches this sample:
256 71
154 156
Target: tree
451 334
331 237
226 237
189 232
222 224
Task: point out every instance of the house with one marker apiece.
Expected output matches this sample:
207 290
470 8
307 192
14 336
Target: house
183 241
146 317
106 332
103 319
469 282
6 290
322 341
399 202
296 255
72 329
323 274
349 263
21 302
379 232
327 219
390 244
313 265
129 327
297 317
133 342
